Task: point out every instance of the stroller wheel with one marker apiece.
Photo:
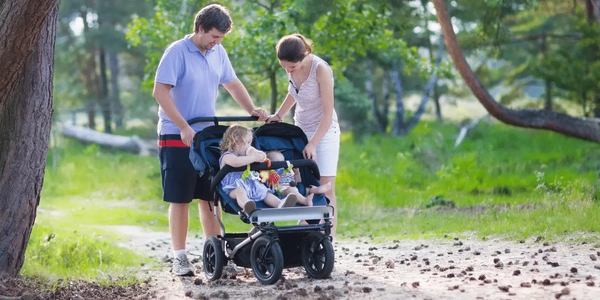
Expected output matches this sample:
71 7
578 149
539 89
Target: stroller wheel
317 255
266 260
213 258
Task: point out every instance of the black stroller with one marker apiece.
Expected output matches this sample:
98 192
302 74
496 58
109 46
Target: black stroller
268 248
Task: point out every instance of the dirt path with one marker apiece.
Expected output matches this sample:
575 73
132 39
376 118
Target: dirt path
427 269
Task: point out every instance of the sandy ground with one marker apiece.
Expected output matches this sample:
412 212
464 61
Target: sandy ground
449 268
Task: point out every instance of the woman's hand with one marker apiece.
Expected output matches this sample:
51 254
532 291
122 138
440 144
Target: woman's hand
187 135
310 151
273 118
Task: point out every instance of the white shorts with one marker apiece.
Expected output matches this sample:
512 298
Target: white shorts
328 151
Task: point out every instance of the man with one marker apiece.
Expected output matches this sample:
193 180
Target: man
186 86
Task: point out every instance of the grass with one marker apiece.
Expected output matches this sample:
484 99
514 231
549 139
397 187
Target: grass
503 181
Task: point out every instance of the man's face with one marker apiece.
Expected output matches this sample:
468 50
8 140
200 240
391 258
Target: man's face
210 38
289 66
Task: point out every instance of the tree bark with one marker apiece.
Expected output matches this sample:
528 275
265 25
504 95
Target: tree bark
593 10
582 128
104 100
380 118
398 127
115 91
28 30
431 83
273 83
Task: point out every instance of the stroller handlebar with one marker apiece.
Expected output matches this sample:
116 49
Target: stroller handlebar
216 119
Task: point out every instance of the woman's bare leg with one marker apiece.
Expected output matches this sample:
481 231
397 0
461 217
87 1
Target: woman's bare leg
330 180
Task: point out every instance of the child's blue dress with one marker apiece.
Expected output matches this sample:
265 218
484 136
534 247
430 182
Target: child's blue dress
255 190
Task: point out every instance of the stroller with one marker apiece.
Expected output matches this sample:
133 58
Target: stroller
268 248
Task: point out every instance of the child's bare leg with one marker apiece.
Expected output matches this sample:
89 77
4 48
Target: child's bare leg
272 200
239 194
322 189
299 197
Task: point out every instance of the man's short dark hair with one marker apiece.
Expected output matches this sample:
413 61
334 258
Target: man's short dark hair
213 16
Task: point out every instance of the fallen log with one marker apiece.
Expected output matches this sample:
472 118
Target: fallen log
132 144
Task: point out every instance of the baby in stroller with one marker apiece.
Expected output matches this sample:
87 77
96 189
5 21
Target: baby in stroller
245 187
288 179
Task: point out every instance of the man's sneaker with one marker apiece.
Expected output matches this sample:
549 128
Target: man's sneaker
182 267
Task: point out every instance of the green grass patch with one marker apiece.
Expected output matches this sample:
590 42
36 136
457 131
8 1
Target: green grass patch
386 183
55 254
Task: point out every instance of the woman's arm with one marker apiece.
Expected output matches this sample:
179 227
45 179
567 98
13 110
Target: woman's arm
283 109
325 80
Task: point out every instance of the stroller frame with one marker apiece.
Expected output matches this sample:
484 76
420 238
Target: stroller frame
269 248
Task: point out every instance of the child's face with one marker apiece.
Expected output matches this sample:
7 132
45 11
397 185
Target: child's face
242 145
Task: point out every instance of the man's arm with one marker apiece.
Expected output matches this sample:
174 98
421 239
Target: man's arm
239 93
162 96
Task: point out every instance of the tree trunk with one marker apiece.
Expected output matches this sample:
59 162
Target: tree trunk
273 82
593 10
104 101
436 93
115 91
431 83
28 29
379 117
398 127
582 128
548 95
89 75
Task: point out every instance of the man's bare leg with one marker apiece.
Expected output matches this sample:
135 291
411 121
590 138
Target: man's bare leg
210 222
178 224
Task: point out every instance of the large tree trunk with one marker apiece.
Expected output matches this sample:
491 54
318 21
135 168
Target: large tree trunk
28 29
583 128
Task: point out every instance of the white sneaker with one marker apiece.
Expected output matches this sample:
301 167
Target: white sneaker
182 266
289 201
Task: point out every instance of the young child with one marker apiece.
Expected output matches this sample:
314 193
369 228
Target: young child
288 179
246 190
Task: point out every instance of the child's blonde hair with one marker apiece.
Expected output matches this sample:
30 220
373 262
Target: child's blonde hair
233 135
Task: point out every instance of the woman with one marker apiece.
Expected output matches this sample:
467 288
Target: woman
311 90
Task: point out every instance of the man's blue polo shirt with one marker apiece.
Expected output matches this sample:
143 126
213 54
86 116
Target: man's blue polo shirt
195 78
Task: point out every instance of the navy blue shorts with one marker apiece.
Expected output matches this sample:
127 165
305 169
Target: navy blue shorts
180 182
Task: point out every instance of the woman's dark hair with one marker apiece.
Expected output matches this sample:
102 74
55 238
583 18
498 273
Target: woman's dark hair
213 16
293 47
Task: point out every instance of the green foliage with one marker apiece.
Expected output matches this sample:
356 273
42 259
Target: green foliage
353 105
170 22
